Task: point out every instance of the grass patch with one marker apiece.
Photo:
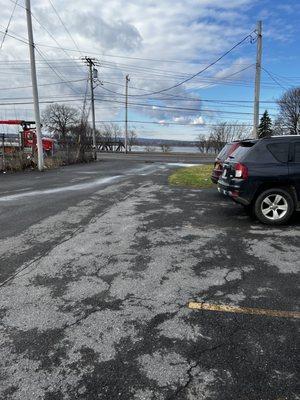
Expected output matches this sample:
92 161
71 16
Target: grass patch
196 177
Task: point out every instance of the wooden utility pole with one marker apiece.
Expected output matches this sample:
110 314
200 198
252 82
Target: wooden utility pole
257 79
92 71
126 113
34 88
3 151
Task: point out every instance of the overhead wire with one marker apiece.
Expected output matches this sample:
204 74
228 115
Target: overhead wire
55 72
65 27
165 123
147 70
51 35
43 84
274 79
59 99
142 95
202 70
14 37
8 24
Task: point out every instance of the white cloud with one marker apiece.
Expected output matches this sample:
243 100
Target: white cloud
198 121
189 120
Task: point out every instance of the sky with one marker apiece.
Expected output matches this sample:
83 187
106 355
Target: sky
158 44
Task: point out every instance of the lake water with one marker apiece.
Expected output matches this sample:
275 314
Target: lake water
173 149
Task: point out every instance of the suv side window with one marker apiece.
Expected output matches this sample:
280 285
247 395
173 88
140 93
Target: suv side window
297 152
280 151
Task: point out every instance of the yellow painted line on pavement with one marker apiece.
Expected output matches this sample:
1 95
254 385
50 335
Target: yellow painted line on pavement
243 310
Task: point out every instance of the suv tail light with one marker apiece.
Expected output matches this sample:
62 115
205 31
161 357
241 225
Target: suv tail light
218 166
241 171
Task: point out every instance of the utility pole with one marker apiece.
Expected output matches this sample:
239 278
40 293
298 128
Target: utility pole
93 74
34 88
257 79
126 113
3 151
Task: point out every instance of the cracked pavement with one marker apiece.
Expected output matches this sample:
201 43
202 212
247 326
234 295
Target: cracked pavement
96 280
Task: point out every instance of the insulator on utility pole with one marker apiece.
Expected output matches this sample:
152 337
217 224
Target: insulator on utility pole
34 88
257 79
126 113
95 73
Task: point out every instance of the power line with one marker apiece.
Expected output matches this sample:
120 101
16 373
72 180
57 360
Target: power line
162 108
216 80
203 69
8 24
142 95
225 102
49 33
174 97
158 106
41 102
172 123
274 79
53 69
14 37
66 29
43 84
54 39
122 56
152 71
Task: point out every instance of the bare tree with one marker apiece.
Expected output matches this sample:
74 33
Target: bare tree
165 148
149 149
226 132
279 127
288 121
132 136
81 131
59 119
110 132
202 143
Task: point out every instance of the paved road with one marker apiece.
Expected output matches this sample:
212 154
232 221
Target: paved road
98 263
159 157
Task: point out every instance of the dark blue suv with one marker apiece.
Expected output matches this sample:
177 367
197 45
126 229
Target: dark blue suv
264 176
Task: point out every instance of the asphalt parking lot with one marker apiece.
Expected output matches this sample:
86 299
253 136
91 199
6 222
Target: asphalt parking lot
96 280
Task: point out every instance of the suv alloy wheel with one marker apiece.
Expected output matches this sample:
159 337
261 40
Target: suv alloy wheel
274 206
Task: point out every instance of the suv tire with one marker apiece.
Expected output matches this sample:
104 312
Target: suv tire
274 206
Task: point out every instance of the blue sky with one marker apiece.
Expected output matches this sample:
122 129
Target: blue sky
158 44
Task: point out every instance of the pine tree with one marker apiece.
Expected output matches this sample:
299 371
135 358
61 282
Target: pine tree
265 126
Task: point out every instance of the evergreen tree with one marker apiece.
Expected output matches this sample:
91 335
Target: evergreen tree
265 126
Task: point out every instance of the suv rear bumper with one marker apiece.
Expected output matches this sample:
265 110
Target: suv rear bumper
233 192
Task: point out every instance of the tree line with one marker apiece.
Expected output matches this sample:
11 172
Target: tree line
287 122
69 125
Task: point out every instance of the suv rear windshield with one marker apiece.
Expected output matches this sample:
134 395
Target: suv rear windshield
241 150
224 152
